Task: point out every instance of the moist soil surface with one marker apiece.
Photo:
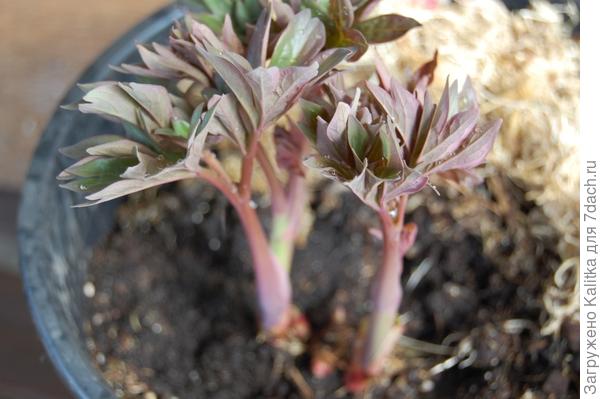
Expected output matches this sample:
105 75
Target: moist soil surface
171 308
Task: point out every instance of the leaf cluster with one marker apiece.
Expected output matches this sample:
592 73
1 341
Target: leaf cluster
209 86
347 21
387 141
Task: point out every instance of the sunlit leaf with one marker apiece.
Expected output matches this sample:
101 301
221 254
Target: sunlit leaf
300 42
386 28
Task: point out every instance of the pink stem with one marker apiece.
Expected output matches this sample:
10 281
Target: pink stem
247 169
386 291
272 280
297 201
278 199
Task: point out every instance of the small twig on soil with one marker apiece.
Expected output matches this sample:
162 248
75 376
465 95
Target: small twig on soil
422 346
443 366
420 272
464 358
278 366
298 379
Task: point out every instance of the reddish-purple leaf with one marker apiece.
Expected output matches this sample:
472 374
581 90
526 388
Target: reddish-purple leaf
259 41
474 153
230 38
342 12
466 123
290 148
423 76
386 28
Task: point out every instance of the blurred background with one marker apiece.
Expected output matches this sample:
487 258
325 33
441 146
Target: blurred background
45 46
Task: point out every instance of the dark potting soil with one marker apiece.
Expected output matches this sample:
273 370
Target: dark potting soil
171 310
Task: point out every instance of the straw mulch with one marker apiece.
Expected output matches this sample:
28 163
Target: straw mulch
526 68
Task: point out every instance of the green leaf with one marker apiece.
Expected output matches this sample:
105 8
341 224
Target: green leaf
351 38
254 9
330 168
119 148
308 122
96 167
219 8
89 184
79 150
319 8
128 186
377 150
333 58
141 136
242 14
358 137
385 28
197 115
181 128
198 139
300 42
386 146
215 23
310 110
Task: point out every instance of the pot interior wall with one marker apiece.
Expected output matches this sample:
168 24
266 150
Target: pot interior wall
55 239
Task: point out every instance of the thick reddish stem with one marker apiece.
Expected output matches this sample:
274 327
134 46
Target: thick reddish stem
278 199
228 190
386 294
273 284
248 166
272 280
297 200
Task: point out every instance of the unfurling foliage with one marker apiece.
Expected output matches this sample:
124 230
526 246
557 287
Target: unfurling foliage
231 73
210 85
347 22
384 144
385 141
221 94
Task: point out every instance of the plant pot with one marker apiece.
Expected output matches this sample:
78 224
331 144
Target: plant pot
54 239
458 293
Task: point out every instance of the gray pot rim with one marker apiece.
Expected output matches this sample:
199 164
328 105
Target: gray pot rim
31 210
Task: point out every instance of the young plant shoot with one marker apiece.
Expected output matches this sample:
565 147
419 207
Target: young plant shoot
385 143
231 75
